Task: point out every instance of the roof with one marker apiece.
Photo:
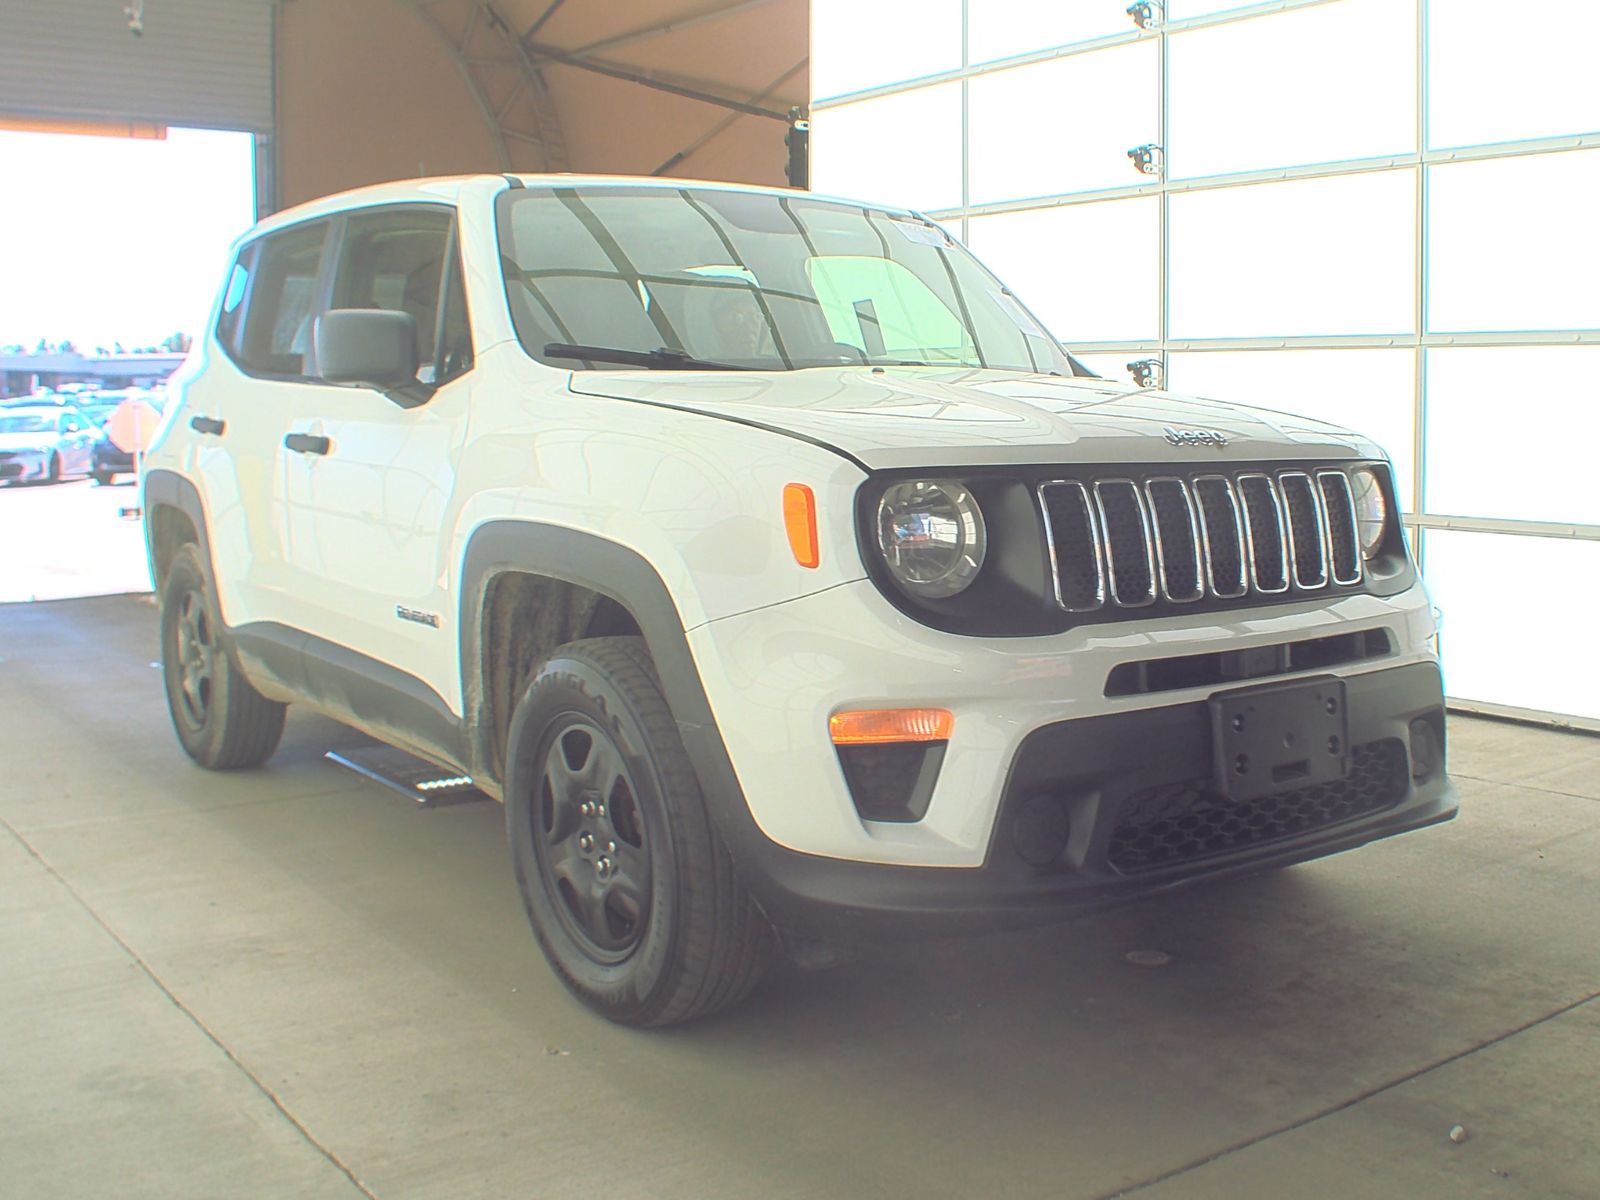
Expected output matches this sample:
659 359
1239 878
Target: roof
447 189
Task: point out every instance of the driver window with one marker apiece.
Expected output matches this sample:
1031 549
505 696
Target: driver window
394 259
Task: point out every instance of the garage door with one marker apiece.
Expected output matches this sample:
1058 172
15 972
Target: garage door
1378 212
204 63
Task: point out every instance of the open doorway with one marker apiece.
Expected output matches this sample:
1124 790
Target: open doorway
115 246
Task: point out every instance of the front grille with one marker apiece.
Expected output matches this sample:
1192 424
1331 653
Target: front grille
1181 822
1127 542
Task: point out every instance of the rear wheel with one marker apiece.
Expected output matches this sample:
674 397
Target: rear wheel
101 478
221 720
628 886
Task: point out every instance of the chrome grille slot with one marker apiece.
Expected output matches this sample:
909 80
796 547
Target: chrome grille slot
1221 536
1177 539
1308 533
1130 559
1264 534
1074 539
1340 508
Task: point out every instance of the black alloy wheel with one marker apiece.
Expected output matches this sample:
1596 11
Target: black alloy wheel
197 658
219 717
627 884
590 841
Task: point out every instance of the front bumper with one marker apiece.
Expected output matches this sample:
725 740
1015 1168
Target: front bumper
1107 771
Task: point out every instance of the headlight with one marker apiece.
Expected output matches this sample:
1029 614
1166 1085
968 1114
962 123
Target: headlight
1372 509
932 537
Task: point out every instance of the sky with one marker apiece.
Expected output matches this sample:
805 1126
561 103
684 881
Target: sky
106 240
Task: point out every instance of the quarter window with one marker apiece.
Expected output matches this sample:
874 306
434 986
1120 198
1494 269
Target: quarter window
280 302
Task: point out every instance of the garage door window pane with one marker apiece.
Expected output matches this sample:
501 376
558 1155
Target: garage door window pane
902 150
1088 271
1515 244
1046 129
1499 71
1512 432
1492 650
1316 256
1369 391
1001 28
858 44
1282 90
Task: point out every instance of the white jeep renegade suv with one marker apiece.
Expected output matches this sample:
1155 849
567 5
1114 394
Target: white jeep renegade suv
776 568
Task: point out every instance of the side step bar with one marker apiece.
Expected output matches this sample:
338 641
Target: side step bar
424 783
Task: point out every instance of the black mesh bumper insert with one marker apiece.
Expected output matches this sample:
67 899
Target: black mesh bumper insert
1180 822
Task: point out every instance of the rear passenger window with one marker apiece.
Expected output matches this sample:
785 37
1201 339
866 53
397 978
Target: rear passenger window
280 300
395 259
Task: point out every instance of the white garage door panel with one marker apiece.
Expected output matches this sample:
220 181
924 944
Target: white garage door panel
204 63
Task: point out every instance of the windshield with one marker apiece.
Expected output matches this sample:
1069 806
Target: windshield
753 281
27 423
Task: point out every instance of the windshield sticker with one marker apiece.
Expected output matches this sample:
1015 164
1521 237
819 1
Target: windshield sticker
923 235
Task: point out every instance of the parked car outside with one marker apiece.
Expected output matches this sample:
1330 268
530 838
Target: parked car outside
111 458
45 444
780 572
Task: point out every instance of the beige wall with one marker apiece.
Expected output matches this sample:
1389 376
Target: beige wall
366 92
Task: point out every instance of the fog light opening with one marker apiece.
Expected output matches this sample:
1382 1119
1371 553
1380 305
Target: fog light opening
1427 751
1040 830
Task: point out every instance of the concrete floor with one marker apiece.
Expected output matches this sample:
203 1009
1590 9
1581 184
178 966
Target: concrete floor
290 983
70 539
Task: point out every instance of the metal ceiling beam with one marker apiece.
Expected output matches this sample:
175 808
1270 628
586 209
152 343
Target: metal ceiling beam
491 121
722 125
692 89
659 29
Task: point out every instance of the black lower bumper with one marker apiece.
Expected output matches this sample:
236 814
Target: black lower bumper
1103 810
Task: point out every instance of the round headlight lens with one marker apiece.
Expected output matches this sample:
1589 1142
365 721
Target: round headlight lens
1372 509
932 537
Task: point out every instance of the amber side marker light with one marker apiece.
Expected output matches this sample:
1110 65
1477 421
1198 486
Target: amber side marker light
800 520
879 726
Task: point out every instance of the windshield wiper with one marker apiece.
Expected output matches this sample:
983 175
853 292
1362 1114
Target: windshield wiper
660 359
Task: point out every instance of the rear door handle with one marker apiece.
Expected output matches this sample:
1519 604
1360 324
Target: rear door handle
307 443
207 425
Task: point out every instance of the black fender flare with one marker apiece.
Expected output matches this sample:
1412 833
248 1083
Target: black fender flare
168 489
588 561
594 562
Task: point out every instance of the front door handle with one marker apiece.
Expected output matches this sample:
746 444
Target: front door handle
207 425
307 443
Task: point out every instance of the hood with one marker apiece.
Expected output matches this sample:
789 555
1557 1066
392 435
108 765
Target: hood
921 416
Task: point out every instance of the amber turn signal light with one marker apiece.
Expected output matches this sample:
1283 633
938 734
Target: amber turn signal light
800 520
881 725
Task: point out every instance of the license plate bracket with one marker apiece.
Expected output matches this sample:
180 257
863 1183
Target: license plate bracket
1279 737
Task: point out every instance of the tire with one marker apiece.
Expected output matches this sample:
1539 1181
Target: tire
101 478
629 889
221 720
53 475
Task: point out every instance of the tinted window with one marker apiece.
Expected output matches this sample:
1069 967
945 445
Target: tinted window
279 301
395 260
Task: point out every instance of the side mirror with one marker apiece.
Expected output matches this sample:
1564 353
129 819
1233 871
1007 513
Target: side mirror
374 346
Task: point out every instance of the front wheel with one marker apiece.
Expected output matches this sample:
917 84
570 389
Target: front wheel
53 472
629 889
221 720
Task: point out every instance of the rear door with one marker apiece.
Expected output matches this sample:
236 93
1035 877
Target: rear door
238 407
